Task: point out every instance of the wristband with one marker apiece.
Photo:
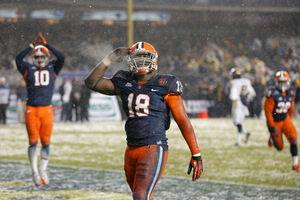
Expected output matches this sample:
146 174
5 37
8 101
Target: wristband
106 61
31 45
198 154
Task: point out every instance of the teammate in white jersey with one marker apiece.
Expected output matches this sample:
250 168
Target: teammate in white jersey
241 93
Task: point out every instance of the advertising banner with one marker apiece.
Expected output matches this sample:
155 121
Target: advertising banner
101 108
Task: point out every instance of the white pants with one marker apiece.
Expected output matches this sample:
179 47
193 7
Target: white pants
239 112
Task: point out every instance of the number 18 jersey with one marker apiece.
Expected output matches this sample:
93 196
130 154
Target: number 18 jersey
148 116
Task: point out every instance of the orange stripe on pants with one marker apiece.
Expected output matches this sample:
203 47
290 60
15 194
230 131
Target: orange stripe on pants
39 123
143 168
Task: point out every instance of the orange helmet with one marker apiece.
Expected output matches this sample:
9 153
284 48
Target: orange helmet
143 58
282 81
40 56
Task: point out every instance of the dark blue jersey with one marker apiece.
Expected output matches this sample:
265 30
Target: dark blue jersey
40 81
282 103
148 116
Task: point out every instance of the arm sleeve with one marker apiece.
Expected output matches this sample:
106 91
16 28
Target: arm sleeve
234 94
21 64
269 106
251 94
291 109
59 62
175 103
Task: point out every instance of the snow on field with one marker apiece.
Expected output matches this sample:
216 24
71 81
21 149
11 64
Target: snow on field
102 144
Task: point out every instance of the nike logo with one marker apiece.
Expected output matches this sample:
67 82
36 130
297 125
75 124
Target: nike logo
153 90
28 111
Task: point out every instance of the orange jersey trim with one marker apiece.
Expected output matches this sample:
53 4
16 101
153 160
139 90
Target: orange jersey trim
142 82
269 106
291 109
171 85
25 74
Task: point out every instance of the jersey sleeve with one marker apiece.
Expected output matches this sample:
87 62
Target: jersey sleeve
21 64
59 62
269 106
114 78
175 87
234 92
291 109
251 93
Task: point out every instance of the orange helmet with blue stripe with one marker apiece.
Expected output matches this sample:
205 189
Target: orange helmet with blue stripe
143 58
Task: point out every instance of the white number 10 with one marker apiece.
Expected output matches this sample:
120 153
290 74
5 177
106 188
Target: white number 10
41 78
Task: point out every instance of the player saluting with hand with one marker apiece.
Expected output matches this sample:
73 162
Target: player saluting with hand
147 99
39 77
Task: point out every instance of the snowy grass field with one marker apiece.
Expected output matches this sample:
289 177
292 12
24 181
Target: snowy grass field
86 162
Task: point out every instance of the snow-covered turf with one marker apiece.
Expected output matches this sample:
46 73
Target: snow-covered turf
88 183
87 163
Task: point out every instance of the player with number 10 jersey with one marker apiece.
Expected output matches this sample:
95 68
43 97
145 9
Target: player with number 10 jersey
40 77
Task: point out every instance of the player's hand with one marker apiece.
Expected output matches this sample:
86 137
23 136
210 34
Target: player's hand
42 39
118 54
196 163
35 41
273 129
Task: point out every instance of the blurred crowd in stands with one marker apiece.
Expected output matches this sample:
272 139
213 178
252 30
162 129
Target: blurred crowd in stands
204 55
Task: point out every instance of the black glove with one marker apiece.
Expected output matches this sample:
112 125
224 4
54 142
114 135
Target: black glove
274 135
272 129
196 163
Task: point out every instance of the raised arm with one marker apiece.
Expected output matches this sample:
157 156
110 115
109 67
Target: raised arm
96 80
21 64
59 62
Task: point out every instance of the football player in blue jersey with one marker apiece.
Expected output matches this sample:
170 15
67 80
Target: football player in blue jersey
147 99
279 108
39 76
